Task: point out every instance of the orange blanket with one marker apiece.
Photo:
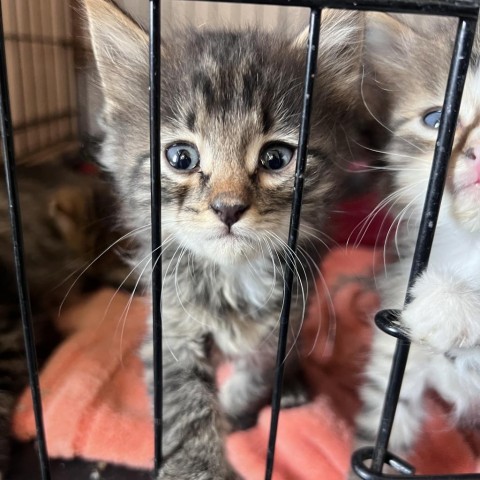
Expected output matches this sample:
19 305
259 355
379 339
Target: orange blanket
96 405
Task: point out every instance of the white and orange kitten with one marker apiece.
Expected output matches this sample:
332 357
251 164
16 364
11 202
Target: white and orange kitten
409 63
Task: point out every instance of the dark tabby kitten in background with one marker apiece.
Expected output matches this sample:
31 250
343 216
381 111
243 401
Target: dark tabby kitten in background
409 59
231 104
67 222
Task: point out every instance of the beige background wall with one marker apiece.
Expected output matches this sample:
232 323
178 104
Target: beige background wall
41 75
218 14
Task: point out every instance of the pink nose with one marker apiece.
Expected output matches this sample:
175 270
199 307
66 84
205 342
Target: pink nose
473 153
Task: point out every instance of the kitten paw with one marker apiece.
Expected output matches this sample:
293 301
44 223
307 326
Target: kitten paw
444 312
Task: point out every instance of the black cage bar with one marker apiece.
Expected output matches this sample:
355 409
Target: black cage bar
8 150
467 13
155 163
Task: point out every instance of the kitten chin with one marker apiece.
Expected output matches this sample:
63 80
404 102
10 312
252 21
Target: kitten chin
224 248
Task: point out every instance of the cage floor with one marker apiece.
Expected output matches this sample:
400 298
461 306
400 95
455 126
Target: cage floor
25 467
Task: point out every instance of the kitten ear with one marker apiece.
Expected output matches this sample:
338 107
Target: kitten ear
398 42
340 49
338 27
396 45
341 29
121 53
388 38
341 45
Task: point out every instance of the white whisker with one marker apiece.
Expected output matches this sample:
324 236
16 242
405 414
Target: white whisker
132 232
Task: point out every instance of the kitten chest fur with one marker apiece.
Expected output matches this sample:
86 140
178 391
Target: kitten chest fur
457 247
238 305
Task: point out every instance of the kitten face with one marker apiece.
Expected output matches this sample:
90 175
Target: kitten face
413 65
237 142
230 109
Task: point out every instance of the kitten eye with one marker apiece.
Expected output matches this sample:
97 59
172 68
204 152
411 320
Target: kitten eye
432 119
276 156
182 156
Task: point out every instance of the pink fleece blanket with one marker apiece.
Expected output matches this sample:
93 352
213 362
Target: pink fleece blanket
96 405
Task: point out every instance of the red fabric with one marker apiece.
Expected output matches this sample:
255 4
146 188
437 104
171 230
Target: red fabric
360 221
96 405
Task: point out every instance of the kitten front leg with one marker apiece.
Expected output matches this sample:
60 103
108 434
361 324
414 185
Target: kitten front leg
445 311
193 427
250 387
410 413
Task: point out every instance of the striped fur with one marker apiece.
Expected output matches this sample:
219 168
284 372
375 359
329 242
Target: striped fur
409 63
228 93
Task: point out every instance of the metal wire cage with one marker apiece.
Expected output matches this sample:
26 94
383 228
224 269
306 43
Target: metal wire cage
467 13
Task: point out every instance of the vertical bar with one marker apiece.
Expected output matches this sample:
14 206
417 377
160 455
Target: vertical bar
310 71
443 150
154 56
17 237
15 75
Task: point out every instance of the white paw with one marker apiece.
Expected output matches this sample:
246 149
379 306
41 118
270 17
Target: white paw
444 313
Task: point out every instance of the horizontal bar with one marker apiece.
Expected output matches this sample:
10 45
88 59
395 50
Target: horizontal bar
365 473
45 120
457 8
60 42
68 145
387 320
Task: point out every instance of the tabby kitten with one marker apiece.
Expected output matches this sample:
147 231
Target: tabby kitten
410 63
230 112
67 222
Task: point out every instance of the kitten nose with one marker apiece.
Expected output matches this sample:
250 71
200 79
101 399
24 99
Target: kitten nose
473 153
228 213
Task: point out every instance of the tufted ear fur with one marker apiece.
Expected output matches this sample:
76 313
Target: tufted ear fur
340 50
386 41
121 53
